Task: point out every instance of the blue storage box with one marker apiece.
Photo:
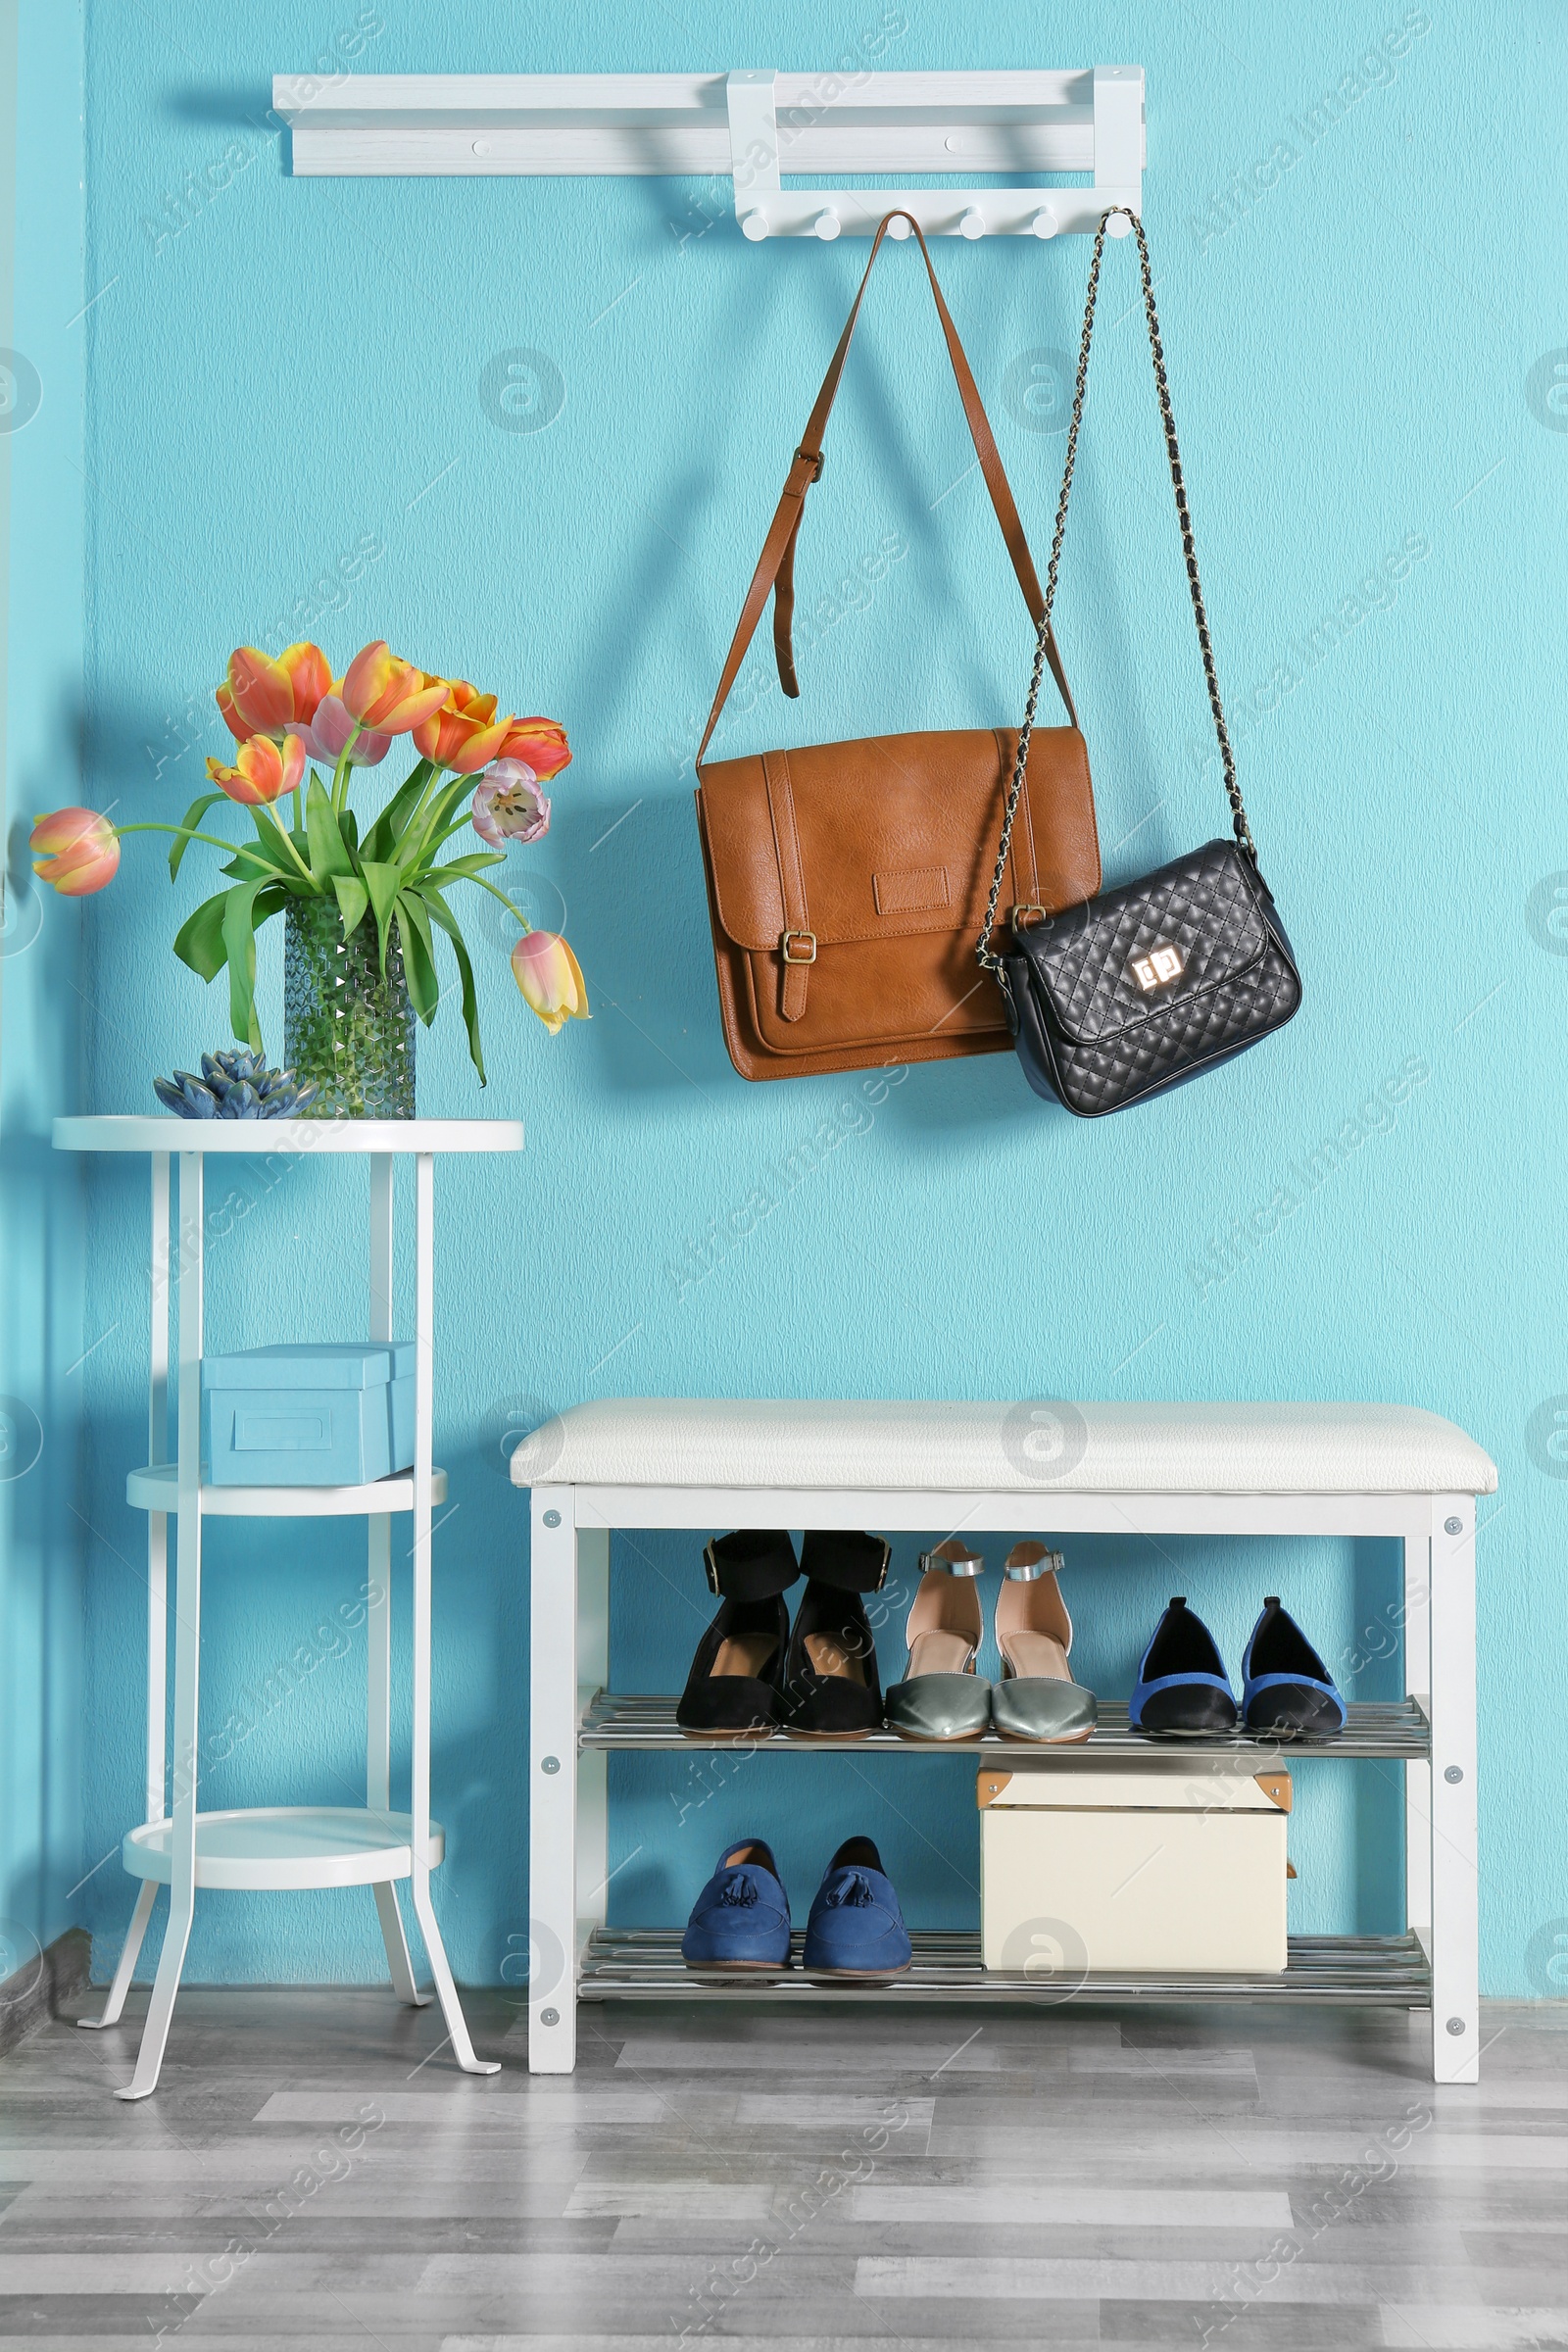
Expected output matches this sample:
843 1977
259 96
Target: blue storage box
308 1416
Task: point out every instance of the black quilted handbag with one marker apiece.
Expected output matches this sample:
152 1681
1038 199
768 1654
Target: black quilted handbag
1152 983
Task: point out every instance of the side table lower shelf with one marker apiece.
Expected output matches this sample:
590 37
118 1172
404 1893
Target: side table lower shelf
278 1848
644 1964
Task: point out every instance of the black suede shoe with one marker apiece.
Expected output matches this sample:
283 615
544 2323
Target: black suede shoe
850 1563
733 1690
831 1686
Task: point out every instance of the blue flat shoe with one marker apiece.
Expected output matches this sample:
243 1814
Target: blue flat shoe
855 1928
1182 1685
1289 1691
740 1922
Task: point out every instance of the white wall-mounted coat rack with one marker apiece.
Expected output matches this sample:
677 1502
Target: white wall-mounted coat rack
755 127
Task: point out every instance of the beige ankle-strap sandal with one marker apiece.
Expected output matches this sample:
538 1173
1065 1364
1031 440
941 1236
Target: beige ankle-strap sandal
1036 1698
942 1697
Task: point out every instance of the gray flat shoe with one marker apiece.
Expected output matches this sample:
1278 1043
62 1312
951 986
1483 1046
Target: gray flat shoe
1036 1698
942 1697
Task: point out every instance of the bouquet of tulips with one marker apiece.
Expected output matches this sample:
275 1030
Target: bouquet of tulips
287 712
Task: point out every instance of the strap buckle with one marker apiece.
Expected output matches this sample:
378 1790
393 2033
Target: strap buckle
952 1558
810 938
814 458
1029 906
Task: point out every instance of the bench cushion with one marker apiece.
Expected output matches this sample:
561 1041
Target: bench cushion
1004 1449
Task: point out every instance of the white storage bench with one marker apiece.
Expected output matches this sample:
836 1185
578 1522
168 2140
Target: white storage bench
1034 1467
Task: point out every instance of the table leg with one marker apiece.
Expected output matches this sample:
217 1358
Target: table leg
187 1637
593 1767
1417 1774
379 1613
423 1414
126 1966
553 1855
158 1521
1455 1889
157 1587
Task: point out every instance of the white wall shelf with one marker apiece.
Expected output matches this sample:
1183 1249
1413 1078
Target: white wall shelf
752 128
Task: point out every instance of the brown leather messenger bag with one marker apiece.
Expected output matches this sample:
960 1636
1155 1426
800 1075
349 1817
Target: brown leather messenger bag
847 881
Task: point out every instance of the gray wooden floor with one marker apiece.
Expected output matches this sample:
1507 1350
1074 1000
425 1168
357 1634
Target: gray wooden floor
1247 2179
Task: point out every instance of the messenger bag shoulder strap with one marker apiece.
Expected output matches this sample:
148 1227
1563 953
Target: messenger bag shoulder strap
775 568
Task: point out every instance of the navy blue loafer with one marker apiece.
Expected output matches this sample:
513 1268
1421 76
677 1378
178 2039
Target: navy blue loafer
1182 1685
741 1920
1289 1691
855 1928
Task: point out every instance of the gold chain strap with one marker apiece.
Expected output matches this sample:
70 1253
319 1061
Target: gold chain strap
988 961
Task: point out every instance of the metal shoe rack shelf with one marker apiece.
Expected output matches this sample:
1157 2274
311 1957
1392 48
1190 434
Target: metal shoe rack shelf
1429 1735
645 1964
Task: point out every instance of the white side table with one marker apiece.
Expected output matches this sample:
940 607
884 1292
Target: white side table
275 1846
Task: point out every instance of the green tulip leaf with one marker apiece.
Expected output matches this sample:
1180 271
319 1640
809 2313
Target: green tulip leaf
458 870
382 838
416 851
353 899
193 816
382 882
330 853
199 941
239 944
441 912
267 852
418 960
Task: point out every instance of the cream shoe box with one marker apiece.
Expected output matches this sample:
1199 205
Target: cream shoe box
1165 1868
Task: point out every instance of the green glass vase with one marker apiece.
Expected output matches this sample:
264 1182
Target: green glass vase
345 1026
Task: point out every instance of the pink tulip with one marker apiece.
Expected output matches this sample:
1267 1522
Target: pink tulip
551 980
509 805
81 852
329 730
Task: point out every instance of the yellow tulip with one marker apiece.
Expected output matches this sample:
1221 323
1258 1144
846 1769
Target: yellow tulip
261 696
387 694
262 771
550 979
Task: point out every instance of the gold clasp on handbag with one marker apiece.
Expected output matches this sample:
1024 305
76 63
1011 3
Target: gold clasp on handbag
1020 914
810 938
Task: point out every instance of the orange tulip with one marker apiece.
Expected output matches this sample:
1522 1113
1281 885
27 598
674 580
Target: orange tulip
262 697
262 771
81 852
387 694
539 743
549 978
464 734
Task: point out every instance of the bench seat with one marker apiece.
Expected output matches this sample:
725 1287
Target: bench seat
1004 1449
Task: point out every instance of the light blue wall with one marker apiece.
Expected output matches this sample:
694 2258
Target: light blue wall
293 430
41 1258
